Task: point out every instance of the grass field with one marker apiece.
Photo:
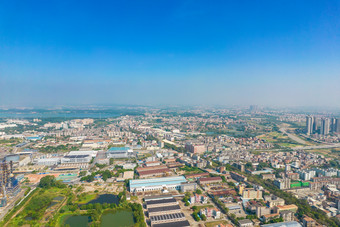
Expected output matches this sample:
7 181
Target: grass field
211 224
328 153
39 207
279 139
85 198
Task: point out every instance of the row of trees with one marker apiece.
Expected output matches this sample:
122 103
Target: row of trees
106 174
50 181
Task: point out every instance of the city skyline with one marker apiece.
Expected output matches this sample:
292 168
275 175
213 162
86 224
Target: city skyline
170 53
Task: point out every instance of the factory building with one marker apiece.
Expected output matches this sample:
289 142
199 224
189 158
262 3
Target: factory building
9 184
119 152
76 159
79 157
155 184
164 211
48 161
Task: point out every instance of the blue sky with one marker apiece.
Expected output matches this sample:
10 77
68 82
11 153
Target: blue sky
283 53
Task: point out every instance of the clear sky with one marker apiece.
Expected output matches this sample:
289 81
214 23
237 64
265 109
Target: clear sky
170 52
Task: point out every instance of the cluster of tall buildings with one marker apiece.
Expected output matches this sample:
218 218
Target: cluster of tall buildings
327 125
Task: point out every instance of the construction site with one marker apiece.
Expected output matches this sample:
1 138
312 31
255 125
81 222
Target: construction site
9 185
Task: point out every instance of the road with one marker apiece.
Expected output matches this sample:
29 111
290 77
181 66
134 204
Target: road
301 141
11 204
32 189
293 137
326 146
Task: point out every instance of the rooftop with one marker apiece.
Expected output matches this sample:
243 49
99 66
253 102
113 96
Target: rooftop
173 224
167 208
156 181
284 224
119 149
161 201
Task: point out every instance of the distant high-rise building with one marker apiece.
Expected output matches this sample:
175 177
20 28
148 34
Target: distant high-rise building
335 125
315 125
310 125
337 128
254 108
325 126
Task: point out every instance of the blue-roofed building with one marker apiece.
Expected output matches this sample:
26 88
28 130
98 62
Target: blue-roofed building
119 152
34 138
156 184
263 171
284 224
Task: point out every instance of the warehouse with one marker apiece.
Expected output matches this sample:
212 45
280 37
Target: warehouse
164 210
166 218
210 180
48 161
119 152
173 224
79 157
161 202
76 159
154 184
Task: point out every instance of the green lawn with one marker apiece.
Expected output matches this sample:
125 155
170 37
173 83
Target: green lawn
85 198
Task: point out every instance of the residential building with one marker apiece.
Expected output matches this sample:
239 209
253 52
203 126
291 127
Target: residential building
308 222
282 183
245 223
211 212
325 126
196 149
251 194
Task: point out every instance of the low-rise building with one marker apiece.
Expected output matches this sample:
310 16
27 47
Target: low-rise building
196 198
211 212
119 152
210 180
154 184
273 200
251 194
282 183
268 176
290 207
308 222
245 223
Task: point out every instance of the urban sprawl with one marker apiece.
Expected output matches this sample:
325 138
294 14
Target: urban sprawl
172 167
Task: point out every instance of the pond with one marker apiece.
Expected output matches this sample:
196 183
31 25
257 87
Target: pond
58 198
105 198
77 221
52 204
121 218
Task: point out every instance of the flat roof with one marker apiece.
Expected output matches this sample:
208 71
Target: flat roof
154 171
245 221
157 197
161 201
160 209
284 224
164 217
173 224
210 179
77 156
156 181
119 149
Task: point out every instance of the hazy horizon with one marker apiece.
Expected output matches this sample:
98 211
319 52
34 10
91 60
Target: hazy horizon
276 53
